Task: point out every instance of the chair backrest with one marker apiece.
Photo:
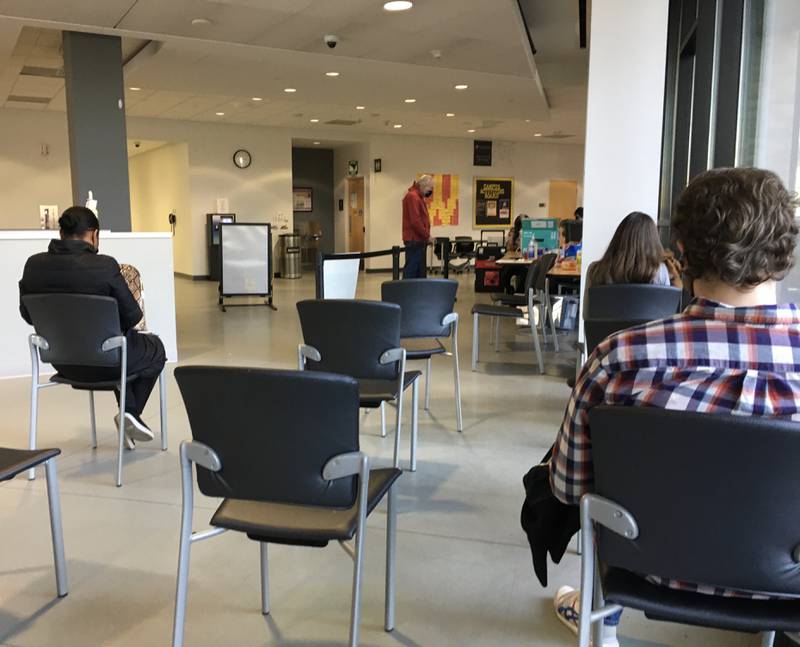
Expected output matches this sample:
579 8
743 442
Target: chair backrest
75 327
438 244
351 336
612 308
714 496
464 244
423 304
273 432
545 263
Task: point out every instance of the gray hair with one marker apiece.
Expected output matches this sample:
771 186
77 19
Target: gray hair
424 180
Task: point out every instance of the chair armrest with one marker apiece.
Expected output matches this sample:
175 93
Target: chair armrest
450 318
609 514
343 465
202 455
36 341
113 342
304 352
393 355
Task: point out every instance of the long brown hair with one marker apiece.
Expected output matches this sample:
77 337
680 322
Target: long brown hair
633 255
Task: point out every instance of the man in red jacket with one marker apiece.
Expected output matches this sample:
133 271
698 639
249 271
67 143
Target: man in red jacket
416 227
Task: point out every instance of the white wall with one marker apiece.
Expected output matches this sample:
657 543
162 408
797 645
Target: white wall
159 184
625 110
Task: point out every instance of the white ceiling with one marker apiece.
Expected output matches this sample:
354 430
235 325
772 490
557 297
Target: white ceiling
257 48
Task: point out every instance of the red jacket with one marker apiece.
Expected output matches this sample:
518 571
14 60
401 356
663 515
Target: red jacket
416 222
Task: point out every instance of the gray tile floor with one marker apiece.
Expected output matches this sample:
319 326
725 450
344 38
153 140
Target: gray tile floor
465 575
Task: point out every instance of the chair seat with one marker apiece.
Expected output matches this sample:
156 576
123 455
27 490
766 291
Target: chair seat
103 385
422 348
686 607
300 525
495 311
16 461
372 392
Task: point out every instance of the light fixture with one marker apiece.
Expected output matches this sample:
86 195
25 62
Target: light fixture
134 89
200 21
398 5
316 143
331 74
290 90
527 121
450 114
314 120
409 100
220 114
537 134
461 86
257 99
398 125
360 108
471 130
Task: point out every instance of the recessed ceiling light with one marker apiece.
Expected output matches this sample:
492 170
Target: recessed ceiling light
134 89
410 100
316 143
290 90
461 86
220 114
200 21
398 5
450 114
398 125
537 134
471 130
257 99
360 108
527 121
314 121
331 74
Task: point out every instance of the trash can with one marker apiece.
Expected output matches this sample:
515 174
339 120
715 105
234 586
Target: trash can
290 256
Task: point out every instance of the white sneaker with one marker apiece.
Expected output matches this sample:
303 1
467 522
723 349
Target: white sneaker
567 604
135 427
128 442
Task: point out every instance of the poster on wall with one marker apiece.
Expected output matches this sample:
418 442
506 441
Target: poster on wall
302 199
443 204
493 201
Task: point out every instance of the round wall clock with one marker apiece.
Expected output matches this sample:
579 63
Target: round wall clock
242 158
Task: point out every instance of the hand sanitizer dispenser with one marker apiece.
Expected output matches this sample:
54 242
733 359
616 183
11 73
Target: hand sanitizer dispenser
91 203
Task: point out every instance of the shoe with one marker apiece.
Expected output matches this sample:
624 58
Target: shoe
567 604
128 442
136 428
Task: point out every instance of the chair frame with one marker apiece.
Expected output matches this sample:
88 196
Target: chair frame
393 355
599 510
341 466
37 343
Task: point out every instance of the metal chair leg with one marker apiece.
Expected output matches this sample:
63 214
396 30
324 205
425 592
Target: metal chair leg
536 347
182 583
457 380
767 639
264 578
391 558
162 398
598 603
497 335
121 430
475 342
94 421
33 421
358 565
398 426
549 306
414 423
428 385
54 502
383 419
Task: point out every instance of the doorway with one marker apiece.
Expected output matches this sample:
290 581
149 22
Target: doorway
312 184
563 199
355 214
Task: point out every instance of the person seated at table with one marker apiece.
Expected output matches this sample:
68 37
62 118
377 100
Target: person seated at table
512 278
71 264
514 237
737 231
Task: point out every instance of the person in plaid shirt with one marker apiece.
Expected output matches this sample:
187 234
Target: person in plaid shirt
732 350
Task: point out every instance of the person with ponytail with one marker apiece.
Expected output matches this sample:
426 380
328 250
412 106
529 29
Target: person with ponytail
72 264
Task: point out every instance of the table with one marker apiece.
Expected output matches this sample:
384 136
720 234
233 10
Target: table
572 272
514 258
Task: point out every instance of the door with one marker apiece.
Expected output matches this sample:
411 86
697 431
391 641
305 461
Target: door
355 214
563 199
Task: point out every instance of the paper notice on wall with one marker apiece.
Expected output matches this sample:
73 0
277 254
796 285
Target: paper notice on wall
222 205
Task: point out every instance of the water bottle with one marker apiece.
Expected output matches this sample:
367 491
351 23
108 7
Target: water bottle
531 249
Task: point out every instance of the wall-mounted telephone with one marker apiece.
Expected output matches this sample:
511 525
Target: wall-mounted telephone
172 220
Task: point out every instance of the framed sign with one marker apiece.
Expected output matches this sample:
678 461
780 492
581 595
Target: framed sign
352 168
482 152
493 201
376 164
302 199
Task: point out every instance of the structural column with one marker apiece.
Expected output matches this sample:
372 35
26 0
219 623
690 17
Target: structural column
98 152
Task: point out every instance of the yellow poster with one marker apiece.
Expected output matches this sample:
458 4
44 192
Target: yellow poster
443 204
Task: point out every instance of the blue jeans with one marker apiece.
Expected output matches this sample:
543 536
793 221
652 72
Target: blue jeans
415 267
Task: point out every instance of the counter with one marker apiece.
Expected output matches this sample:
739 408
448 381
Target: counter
150 252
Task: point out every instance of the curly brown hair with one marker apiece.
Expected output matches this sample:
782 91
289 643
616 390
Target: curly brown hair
737 225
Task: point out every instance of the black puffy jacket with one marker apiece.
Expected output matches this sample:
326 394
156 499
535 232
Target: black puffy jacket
74 266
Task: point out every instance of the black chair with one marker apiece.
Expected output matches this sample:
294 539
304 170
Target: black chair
16 461
361 339
427 308
611 308
708 499
542 294
464 250
281 449
82 330
439 244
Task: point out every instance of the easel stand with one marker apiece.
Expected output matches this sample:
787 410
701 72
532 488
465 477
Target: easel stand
246 264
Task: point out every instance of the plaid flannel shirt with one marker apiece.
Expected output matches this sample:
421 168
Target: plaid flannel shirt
711 358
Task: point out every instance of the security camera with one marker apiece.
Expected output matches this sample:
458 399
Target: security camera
331 40
137 144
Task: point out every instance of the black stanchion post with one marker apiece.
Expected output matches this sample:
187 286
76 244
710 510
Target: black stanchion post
318 275
446 258
395 263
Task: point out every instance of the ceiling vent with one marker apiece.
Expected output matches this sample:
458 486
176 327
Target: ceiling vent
49 72
341 122
21 99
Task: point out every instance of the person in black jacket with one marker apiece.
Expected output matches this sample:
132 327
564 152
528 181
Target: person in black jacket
72 265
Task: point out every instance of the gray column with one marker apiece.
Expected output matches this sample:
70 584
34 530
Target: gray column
98 152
